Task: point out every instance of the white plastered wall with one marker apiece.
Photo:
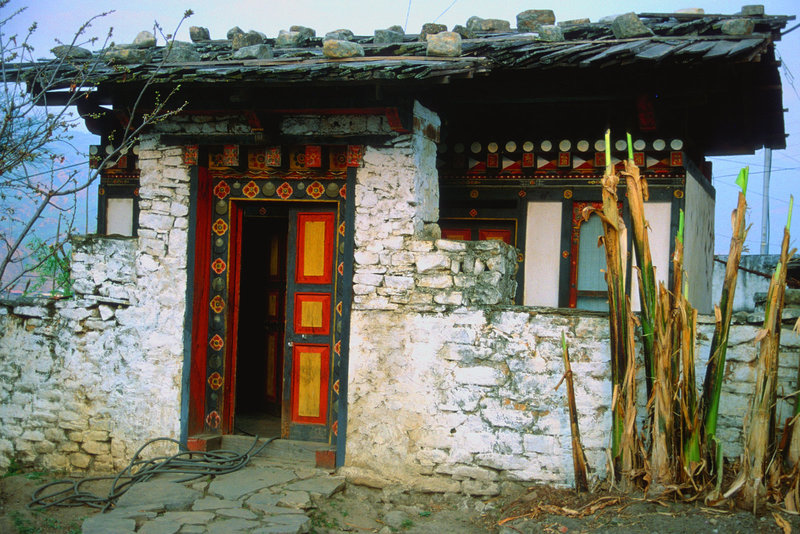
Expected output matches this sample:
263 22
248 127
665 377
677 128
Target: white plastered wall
542 253
659 216
698 256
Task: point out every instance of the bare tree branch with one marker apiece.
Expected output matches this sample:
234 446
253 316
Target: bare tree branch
35 134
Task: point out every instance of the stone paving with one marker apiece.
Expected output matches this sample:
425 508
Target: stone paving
268 496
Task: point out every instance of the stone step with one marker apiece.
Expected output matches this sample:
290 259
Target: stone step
298 452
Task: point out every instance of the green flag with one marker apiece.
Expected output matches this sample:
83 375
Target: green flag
741 181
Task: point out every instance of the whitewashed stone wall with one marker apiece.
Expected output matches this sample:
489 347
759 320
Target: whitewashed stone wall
465 399
85 381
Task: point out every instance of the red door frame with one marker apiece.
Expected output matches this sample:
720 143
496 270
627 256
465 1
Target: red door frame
202 259
228 408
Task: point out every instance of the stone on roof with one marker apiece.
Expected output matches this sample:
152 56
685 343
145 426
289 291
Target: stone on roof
198 34
753 10
292 38
336 49
127 55
181 52
464 32
444 44
628 26
305 32
572 23
233 31
532 19
478 24
145 39
340 35
431 28
387 36
259 51
251 38
738 27
71 52
551 33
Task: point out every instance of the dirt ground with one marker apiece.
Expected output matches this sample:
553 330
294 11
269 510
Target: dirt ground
392 510
536 510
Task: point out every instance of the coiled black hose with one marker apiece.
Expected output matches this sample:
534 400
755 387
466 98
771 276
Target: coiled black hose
193 464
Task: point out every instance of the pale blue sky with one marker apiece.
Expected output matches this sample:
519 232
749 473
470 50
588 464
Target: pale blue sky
58 19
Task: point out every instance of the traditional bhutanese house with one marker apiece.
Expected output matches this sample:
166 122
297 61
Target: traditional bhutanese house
337 235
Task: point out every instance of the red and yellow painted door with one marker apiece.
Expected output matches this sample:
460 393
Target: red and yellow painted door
309 310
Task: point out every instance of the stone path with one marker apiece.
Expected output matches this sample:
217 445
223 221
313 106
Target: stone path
268 496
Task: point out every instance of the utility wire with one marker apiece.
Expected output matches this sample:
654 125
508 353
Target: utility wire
793 28
446 10
408 12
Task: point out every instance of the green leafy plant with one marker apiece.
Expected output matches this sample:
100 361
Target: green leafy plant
52 269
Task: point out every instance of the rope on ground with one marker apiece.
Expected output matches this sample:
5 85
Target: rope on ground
193 464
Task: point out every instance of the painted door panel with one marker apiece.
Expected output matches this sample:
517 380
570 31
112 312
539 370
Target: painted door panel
308 336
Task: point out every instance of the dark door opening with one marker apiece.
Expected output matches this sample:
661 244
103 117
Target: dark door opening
261 322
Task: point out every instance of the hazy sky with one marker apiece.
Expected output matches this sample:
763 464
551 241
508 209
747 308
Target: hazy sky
60 19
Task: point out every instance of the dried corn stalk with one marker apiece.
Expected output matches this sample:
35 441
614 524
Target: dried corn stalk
637 194
578 457
712 385
623 378
760 439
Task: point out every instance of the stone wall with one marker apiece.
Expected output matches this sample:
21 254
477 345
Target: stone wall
85 381
465 400
753 278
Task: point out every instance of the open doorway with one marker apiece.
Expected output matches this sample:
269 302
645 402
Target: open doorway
261 322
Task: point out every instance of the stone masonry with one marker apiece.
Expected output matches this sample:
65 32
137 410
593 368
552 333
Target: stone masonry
85 381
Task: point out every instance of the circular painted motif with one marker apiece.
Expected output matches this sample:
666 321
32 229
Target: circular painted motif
527 146
546 146
221 207
332 190
567 193
475 147
458 148
300 186
268 189
676 144
492 147
219 242
237 185
639 144
564 145
659 145
599 145
511 146
583 145
620 145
